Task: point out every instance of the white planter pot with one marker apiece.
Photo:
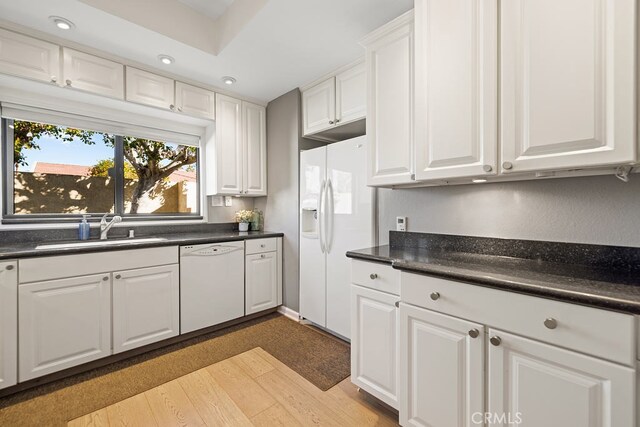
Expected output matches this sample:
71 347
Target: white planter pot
243 226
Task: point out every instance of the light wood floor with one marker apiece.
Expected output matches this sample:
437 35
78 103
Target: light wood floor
250 389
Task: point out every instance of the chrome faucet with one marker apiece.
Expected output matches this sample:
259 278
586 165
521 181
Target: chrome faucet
105 227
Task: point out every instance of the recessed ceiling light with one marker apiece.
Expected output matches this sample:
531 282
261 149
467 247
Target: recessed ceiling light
478 180
62 23
166 59
228 80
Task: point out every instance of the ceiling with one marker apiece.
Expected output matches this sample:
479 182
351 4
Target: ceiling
269 46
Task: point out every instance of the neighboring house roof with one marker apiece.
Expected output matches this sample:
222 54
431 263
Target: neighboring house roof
79 170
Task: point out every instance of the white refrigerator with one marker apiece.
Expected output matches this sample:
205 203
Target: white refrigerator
336 215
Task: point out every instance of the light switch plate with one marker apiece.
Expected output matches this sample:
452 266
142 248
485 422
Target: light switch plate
217 201
228 201
401 223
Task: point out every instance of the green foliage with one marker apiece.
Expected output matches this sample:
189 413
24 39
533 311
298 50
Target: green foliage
103 167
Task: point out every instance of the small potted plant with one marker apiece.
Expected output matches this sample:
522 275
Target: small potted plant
243 218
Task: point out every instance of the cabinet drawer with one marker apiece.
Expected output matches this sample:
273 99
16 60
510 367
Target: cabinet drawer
374 275
261 245
61 266
605 334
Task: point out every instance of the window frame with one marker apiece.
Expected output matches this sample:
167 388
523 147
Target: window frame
8 189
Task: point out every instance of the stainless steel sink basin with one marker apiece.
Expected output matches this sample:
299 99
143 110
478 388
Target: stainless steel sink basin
90 243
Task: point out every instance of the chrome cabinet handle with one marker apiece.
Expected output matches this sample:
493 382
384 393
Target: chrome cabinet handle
68 82
487 168
373 276
473 333
435 296
9 267
507 165
550 323
118 276
495 340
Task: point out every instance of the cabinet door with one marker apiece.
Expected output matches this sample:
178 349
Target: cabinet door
63 323
456 97
149 89
261 290
542 385
351 94
195 101
254 133
228 153
374 343
8 323
319 107
92 74
26 57
567 83
146 306
390 111
441 369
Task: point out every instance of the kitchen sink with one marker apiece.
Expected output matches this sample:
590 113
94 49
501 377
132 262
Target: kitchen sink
90 243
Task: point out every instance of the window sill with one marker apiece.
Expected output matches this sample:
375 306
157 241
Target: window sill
48 223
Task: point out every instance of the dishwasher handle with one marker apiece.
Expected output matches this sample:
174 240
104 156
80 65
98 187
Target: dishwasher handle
214 250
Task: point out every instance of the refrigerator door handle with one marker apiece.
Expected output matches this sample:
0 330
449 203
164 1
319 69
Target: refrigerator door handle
329 194
321 208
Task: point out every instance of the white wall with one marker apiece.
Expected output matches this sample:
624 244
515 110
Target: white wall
598 210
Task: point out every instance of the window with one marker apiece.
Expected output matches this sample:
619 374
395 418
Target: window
55 172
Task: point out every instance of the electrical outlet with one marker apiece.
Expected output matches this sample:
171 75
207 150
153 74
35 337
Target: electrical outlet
228 201
217 201
401 223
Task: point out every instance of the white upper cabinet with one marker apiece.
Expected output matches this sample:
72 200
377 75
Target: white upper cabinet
319 107
567 83
228 153
390 69
27 57
351 94
8 323
146 306
92 74
254 135
543 385
195 101
238 155
63 323
149 89
456 88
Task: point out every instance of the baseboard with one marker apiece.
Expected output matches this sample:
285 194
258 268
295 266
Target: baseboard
291 314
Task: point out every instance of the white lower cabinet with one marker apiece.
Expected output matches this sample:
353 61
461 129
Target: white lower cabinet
442 364
374 343
8 323
146 306
542 385
63 323
261 282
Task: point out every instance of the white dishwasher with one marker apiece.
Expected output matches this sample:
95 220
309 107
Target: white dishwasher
211 284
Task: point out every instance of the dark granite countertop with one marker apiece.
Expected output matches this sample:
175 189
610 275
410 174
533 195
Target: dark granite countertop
30 249
612 288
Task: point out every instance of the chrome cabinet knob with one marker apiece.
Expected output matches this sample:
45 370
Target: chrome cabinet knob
550 323
495 340
262 256
487 168
105 278
262 245
337 120
179 108
435 296
330 122
54 79
118 276
397 304
507 165
373 276
473 333
9 267
68 82
172 107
